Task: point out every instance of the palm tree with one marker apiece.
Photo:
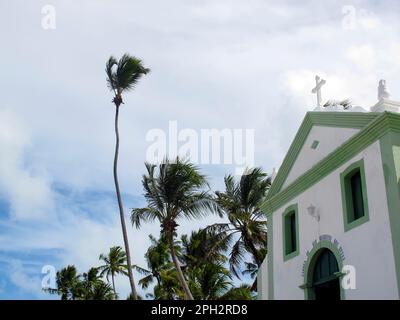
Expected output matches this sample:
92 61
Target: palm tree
158 259
201 248
242 292
102 291
114 264
205 267
174 191
89 281
247 228
121 77
67 281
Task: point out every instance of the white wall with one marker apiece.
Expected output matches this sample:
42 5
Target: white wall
262 281
330 138
367 247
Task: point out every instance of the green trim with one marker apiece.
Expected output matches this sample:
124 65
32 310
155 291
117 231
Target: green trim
356 120
346 196
375 130
309 267
314 145
293 209
390 161
270 257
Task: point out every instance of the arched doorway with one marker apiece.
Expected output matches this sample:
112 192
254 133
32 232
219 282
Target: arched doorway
325 283
317 275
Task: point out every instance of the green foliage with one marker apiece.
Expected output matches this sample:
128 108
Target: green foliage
174 190
114 264
246 231
124 74
177 190
86 286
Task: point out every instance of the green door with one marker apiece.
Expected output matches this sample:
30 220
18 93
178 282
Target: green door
326 284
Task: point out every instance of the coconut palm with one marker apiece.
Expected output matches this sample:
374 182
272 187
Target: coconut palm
114 264
201 247
246 230
89 281
102 291
204 261
173 191
243 292
122 76
158 259
67 281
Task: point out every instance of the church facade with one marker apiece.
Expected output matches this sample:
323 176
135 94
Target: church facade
333 209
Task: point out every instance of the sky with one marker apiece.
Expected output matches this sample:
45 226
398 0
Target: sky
215 64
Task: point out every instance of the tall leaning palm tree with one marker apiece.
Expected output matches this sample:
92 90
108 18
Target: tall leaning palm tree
114 264
122 76
246 230
174 191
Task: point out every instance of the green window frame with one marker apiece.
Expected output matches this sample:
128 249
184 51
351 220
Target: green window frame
290 232
354 195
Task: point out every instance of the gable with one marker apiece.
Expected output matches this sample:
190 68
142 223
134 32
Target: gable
382 124
333 120
320 142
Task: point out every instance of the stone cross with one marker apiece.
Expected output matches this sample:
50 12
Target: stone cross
319 83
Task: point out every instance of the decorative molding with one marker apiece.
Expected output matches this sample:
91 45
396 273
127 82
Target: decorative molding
356 120
386 105
372 132
308 265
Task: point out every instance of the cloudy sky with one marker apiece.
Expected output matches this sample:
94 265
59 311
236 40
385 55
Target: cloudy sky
215 64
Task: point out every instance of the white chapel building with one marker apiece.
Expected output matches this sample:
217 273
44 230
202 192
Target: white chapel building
333 209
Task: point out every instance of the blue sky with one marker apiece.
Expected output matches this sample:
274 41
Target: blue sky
215 64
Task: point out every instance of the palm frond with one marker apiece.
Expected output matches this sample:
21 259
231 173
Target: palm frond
140 215
129 71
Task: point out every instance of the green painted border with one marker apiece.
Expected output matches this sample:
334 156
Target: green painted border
387 142
374 131
345 197
356 120
270 257
309 267
292 208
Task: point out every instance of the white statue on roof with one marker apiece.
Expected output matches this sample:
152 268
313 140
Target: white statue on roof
384 101
382 91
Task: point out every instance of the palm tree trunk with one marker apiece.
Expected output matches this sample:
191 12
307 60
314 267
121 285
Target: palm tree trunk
182 280
121 208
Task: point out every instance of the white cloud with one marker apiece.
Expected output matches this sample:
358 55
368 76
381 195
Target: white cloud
213 65
28 193
25 282
363 56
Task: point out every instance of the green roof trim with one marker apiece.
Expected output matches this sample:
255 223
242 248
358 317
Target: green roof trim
374 125
356 120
